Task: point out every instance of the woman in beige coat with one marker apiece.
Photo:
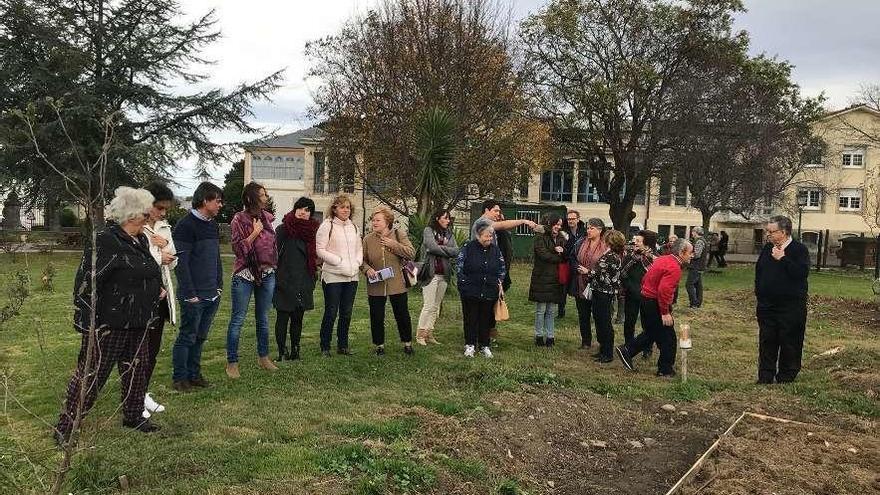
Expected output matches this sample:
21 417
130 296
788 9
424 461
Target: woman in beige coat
386 250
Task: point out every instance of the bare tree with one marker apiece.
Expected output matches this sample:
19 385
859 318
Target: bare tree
602 72
381 73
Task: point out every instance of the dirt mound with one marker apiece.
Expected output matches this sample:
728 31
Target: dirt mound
855 311
565 442
811 459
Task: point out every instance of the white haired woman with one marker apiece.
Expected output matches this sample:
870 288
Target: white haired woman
128 286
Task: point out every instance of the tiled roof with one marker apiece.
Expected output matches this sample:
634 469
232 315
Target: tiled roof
292 140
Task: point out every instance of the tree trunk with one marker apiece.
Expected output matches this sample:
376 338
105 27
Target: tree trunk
622 215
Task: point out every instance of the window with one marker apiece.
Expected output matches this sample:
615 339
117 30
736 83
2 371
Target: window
681 194
587 180
524 186
853 158
680 231
556 184
813 154
663 232
664 198
849 200
320 166
277 168
811 198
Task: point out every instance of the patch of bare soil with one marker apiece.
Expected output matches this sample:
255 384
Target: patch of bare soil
858 312
767 457
864 380
566 442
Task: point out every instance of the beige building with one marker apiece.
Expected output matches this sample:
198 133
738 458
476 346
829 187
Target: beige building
834 192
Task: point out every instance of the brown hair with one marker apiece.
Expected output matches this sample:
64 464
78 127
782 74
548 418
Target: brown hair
340 200
615 241
385 212
250 197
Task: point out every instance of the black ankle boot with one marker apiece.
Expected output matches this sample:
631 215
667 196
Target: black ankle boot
294 353
282 354
549 342
539 341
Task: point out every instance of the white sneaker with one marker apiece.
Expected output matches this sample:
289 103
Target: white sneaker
487 352
146 414
151 405
469 351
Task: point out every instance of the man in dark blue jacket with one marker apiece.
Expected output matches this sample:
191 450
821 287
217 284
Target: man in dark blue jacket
200 283
781 292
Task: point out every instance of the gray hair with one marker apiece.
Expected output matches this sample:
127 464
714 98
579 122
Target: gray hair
482 224
783 222
129 203
697 230
680 246
596 222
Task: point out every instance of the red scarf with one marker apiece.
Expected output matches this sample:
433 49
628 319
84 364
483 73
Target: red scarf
305 231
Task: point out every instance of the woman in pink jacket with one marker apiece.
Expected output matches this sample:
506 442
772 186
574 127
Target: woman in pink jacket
338 244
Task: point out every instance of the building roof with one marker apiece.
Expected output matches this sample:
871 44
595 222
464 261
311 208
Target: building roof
852 108
296 139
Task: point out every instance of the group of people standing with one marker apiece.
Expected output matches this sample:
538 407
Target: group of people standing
134 293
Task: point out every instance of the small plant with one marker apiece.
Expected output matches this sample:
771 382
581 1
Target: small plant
48 277
17 292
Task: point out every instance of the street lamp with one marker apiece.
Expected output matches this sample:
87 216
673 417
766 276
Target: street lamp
801 203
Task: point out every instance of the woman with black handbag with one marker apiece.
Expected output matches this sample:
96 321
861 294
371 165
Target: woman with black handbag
440 249
386 252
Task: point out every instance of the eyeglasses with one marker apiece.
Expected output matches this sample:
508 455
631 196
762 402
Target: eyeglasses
572 219
771 232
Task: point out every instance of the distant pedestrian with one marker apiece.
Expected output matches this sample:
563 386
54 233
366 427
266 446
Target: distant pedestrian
545 289
694 284
781 292
723 242
658 325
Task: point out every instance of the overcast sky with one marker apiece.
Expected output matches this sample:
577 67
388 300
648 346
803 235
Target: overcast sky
834 46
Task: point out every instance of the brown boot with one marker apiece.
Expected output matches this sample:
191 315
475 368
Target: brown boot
232 371
420 336
267 364
430 336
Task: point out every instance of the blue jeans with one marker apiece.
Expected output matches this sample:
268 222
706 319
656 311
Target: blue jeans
241 299
338 298
195 322
545 314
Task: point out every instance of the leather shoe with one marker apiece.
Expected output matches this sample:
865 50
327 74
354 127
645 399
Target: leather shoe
345 351
182 386
200 382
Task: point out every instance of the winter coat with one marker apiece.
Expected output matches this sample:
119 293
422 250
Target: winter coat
162 228
294 287
635 265
606 276
479 270
128 283
338 244
377 257
433 253
545 286
262 248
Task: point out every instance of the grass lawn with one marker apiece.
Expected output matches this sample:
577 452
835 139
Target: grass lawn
532 420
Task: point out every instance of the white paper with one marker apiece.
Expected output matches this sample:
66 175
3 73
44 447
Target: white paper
383 274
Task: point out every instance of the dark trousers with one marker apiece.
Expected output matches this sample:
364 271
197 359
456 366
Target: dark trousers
478 316
631 305
338 300
154 339
585 312
655 332
561 308
602 314
781 329
400 308
694 286
124 349
195 322
295 320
